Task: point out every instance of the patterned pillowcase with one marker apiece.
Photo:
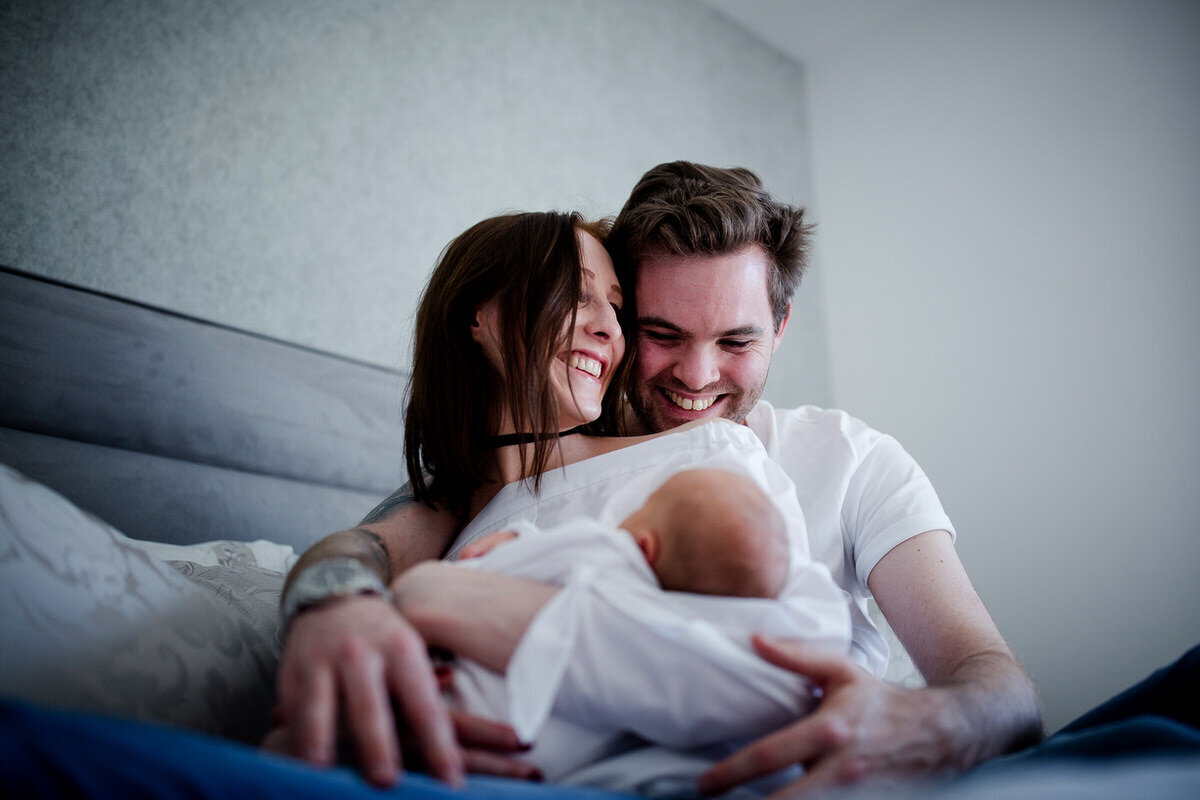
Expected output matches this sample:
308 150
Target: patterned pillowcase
90 621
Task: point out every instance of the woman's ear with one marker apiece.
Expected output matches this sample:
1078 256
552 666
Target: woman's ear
485 325
480 326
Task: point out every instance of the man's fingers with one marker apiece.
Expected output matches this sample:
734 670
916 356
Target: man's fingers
368 712
823 668
410 676
482 762
802 742
485 734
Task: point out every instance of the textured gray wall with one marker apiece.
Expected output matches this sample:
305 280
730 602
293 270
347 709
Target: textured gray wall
294 168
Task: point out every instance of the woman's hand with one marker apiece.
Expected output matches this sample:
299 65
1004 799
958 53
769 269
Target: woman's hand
862 727
485 544
346 661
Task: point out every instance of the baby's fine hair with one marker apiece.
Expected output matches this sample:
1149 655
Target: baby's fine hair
728 538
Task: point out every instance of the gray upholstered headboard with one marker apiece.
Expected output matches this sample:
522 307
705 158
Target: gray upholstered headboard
179 430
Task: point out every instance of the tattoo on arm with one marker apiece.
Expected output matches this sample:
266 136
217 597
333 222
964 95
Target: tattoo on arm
400 497
375 551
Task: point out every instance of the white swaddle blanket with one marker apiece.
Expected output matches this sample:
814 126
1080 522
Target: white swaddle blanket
613 661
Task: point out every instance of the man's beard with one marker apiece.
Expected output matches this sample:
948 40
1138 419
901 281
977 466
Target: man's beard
733 405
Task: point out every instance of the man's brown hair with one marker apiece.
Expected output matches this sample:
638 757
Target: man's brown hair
682 208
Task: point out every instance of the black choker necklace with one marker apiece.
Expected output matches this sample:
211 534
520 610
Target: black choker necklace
504 440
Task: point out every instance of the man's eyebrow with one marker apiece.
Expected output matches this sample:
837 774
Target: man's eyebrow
658 322
745 330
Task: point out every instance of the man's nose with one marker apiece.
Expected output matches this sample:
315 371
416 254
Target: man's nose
697 367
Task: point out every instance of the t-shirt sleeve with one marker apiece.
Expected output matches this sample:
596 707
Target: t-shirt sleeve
889 499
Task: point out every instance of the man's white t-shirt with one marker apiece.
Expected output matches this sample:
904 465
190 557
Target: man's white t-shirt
862 495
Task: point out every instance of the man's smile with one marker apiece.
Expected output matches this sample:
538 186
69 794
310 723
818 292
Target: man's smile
690 403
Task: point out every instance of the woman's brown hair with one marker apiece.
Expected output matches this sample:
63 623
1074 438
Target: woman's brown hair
530 264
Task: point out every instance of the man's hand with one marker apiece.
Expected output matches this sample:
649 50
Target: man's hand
348 660
861 727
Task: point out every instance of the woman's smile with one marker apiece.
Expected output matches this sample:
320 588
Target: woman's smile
593 364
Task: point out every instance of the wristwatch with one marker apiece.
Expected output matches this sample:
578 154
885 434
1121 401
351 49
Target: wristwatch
329 580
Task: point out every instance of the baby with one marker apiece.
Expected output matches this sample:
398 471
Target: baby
720 548
706 531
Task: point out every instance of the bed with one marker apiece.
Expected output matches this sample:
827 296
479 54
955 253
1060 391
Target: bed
158 476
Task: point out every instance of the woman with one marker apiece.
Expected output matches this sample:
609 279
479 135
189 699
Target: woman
518 340
496 312
517 332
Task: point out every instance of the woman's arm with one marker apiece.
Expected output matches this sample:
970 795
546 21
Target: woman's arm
475 614
347 657
396 534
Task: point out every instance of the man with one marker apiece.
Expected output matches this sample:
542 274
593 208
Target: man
714 262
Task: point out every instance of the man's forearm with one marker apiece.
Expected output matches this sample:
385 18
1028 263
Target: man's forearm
983 703
994 707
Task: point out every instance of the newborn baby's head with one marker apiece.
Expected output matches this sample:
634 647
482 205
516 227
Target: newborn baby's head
710 531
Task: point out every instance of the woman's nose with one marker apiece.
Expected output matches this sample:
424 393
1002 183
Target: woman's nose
602 323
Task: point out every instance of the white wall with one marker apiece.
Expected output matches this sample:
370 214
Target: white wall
293 167
1008 203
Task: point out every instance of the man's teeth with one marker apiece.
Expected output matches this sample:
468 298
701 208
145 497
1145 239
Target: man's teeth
588 365
687 403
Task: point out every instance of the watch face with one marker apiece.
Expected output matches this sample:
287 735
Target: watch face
330 579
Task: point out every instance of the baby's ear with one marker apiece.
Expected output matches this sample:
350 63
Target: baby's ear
647 541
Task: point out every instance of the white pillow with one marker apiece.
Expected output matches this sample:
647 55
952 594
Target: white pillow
224 553
90 621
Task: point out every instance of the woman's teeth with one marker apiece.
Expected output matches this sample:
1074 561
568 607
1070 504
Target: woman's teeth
687 403
589 365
